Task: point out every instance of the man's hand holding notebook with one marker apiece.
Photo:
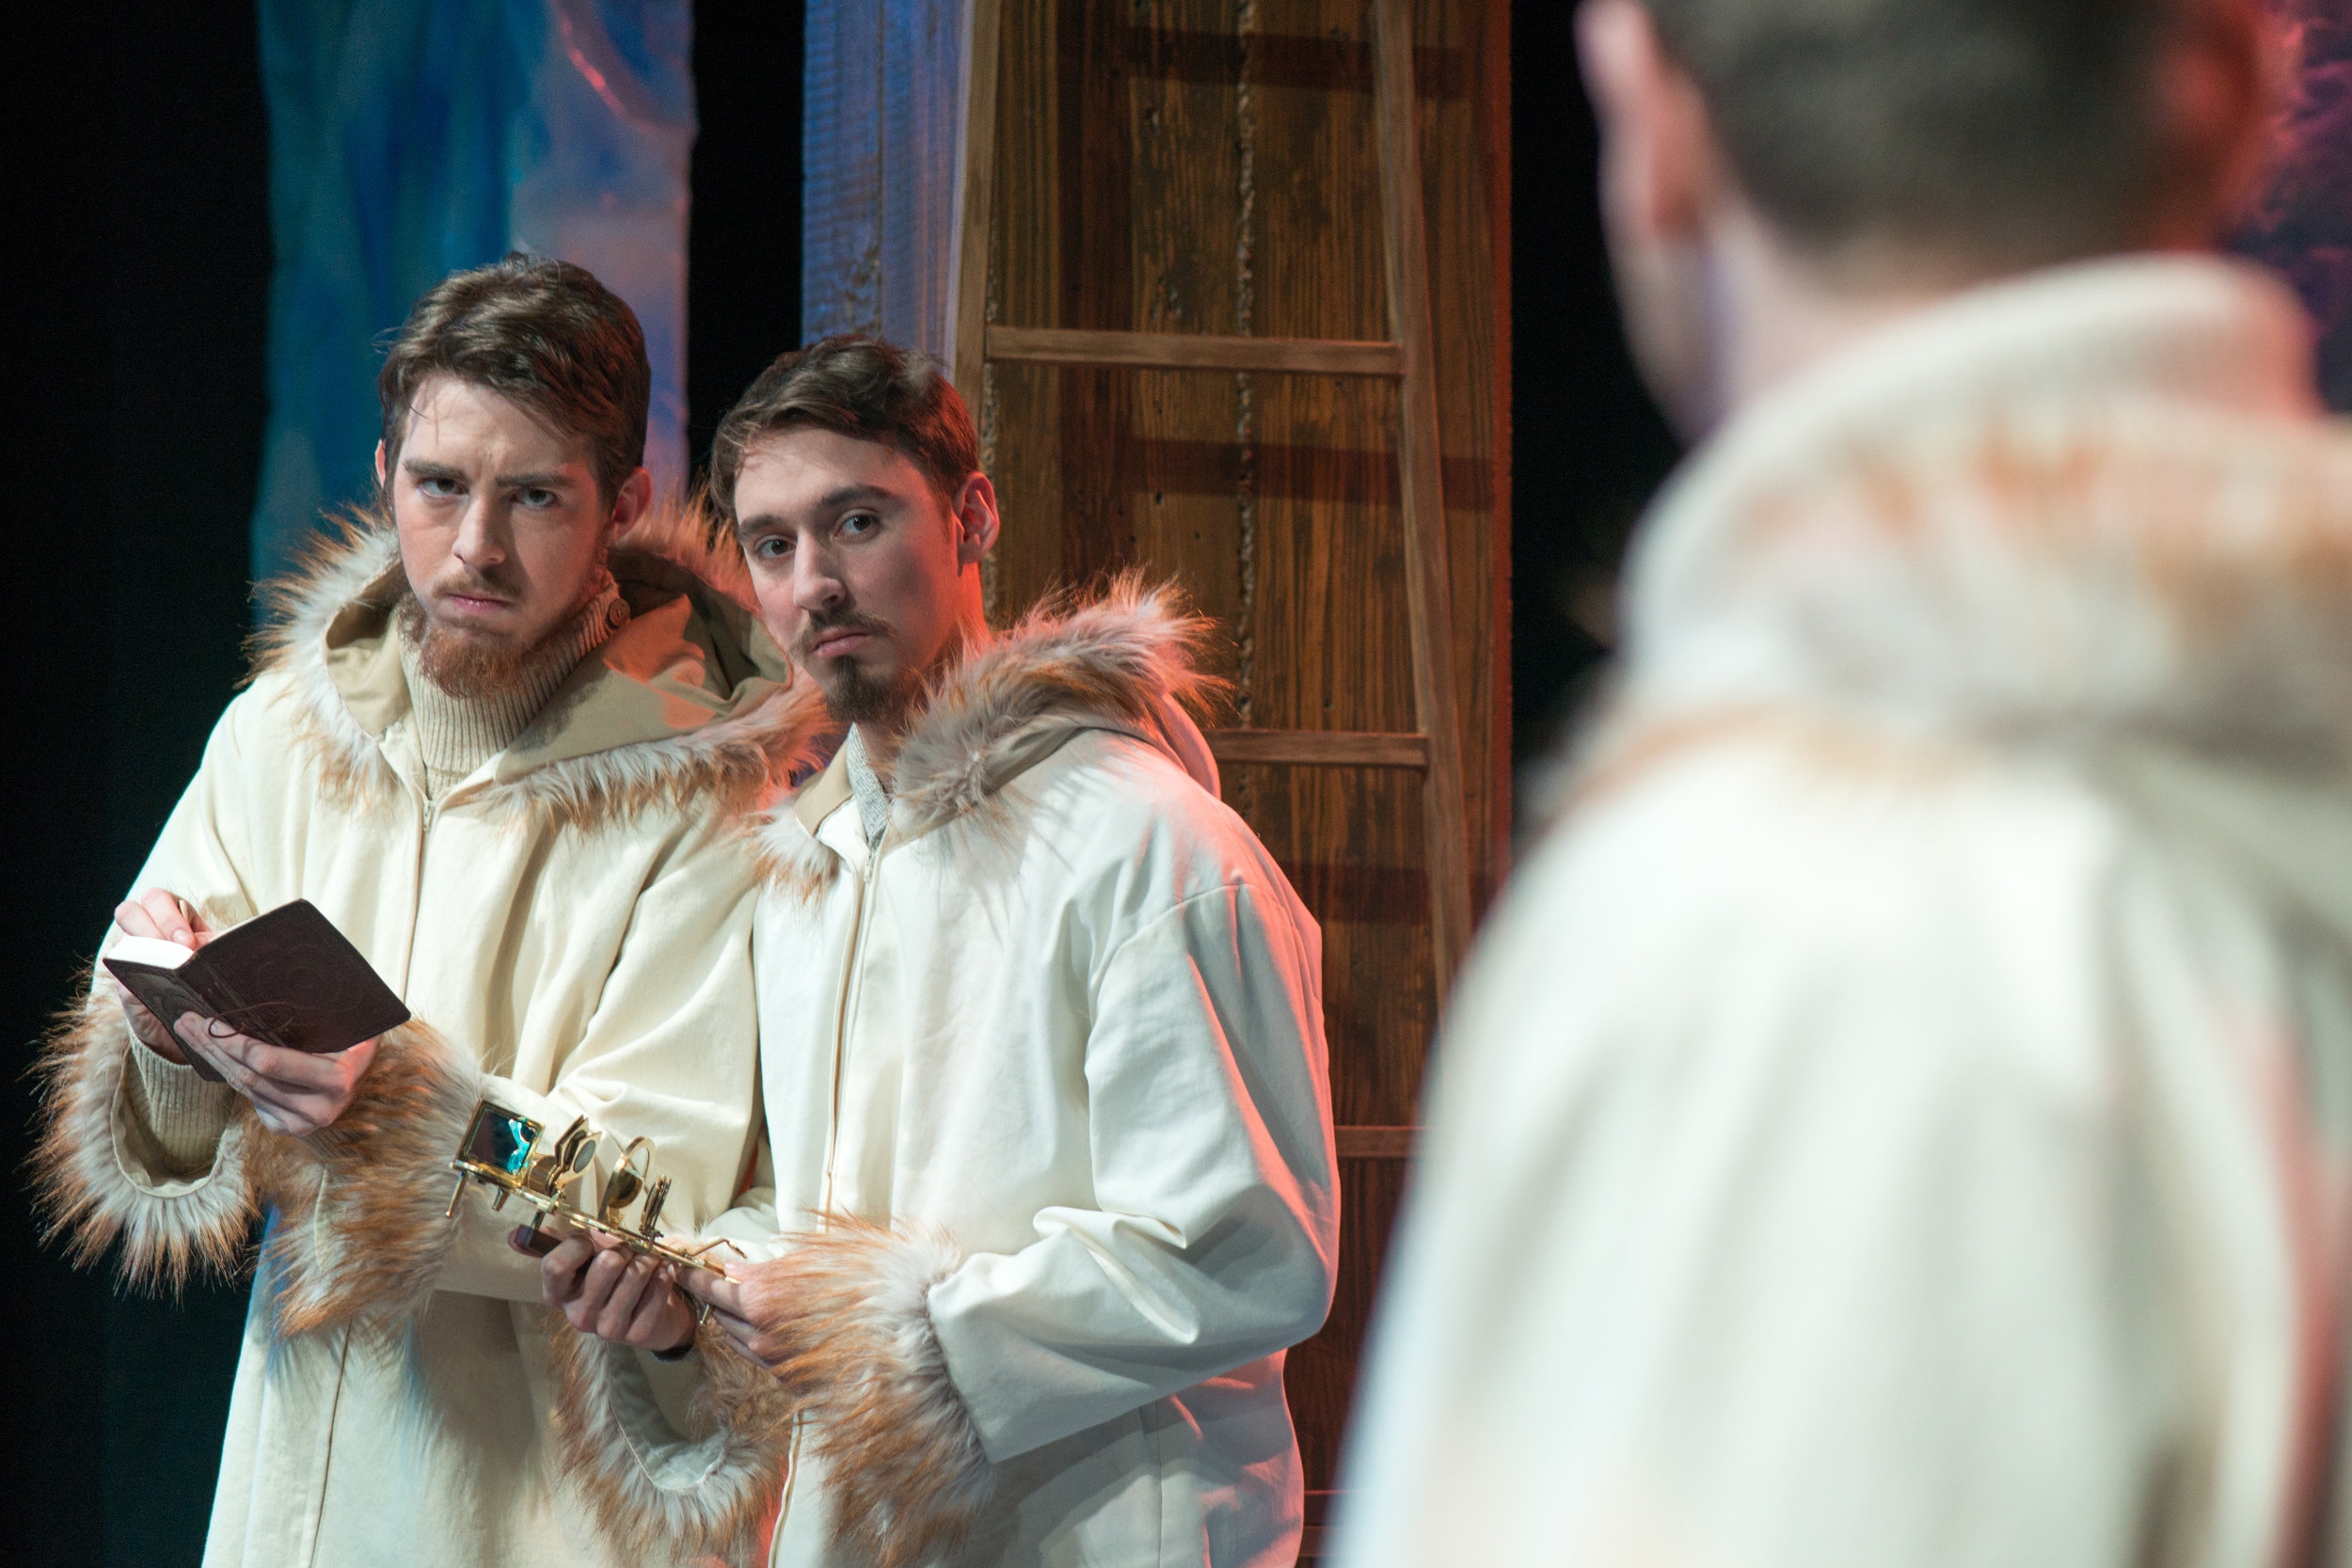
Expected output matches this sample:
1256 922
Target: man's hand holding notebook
282 1008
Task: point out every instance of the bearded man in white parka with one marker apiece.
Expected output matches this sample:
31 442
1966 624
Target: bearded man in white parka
1041 1051
497 737
1900 1113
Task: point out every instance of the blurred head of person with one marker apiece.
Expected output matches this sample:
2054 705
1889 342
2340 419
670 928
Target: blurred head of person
511 453
850 473
1779 176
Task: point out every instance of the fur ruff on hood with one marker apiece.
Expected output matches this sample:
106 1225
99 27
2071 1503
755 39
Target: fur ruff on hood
2080 508
753 739
1129 658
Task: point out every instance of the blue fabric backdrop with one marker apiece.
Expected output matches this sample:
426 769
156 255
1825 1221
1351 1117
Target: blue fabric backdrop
883 103
412 137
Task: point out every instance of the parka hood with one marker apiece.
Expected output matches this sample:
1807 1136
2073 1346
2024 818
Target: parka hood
1127 660
2093 503
688 700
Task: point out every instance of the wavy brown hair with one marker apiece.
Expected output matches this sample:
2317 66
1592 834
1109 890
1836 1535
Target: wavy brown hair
545 335
857 386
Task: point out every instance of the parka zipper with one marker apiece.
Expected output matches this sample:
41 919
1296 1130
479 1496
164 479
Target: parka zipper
851 982
832 1122
425 819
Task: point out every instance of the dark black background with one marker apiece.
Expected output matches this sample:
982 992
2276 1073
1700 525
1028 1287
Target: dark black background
137 275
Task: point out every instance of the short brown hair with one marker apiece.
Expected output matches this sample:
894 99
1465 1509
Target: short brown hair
857 386
542 333
2002 132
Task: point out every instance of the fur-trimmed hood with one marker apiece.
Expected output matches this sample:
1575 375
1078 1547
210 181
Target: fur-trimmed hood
689 699
2093 502
1127 660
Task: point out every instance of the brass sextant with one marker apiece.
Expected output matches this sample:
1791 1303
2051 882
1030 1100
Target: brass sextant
501 1151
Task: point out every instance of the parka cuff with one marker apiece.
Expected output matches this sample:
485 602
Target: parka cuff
698 1476
104 1169
182 1115
362 1227
907 1472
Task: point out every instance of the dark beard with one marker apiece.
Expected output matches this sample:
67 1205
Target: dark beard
852 695
857 698
477 669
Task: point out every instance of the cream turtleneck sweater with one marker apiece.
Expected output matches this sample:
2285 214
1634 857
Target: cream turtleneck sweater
458 735
181 1112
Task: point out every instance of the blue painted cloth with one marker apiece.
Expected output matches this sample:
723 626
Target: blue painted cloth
883 105
409 138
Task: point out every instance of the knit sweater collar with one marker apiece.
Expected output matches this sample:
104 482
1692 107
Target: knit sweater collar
458 735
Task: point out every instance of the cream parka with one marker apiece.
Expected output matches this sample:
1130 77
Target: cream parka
570 925
1046 1094
1902 1114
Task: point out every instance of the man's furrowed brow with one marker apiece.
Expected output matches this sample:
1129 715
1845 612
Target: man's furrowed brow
538 479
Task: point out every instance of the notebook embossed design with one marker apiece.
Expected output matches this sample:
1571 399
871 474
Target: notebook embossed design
287 977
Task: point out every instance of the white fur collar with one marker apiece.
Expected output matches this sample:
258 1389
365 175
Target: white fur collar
733 740
2093 501
1127 660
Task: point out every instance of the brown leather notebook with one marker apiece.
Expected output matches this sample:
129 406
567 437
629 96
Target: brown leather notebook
288 977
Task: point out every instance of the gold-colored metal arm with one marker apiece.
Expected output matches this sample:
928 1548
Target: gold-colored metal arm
500 1151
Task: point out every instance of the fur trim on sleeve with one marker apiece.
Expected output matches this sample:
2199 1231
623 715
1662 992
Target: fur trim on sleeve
657 1492
361 1234
904 1462
87 1196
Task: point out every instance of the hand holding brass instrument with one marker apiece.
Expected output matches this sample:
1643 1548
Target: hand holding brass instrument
500 1150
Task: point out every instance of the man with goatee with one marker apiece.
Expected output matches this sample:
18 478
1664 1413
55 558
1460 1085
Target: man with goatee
493 736
1041 1054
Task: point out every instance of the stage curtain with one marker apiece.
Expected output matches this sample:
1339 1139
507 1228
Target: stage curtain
412 137
883 112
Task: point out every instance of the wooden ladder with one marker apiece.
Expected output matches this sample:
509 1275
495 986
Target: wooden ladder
1434 749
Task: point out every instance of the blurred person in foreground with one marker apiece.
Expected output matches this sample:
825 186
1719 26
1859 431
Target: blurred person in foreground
1899 1115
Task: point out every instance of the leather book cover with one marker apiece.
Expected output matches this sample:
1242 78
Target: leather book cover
288 977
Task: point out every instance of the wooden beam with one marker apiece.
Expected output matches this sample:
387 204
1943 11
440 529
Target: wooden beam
978 198
1320 748
1193 351
1375 1143
1428 590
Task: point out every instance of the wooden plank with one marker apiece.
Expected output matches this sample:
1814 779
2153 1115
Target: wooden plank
1375 1143
1136 189
1332 645
1310 1543
1320 748
978 198
1193 351
1427 579
1184 184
